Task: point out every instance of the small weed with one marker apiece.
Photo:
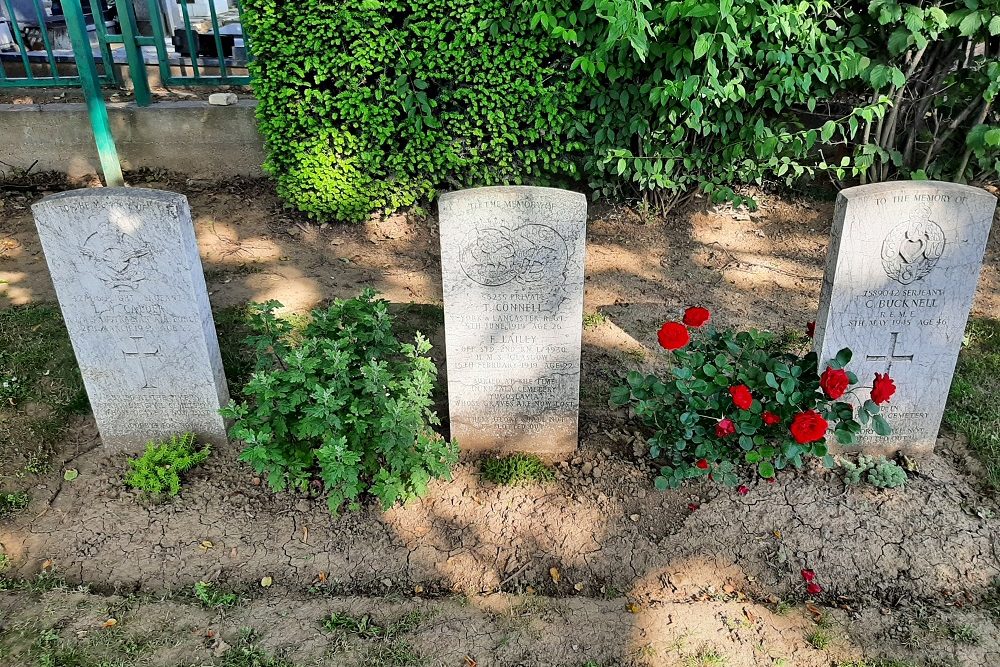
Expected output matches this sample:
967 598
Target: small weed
706 657
783 608
515 469
213 598
157 472
594 319
43 583
991 600
251 656
964 634
877 663
974 401
635 356
366 628
819 639
12 503
4 562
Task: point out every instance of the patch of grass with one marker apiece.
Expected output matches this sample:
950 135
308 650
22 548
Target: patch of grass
964 634
515 469
594 319
365 626
12 503
783 607
40 385
819 639
43 583
877 663
974 402
251 656
212 597
384 646
706 657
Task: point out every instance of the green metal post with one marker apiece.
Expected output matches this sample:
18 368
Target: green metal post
136 63
99 121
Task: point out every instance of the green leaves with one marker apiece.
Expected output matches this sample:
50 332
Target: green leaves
342 401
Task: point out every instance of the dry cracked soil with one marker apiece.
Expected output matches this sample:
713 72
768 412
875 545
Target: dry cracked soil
595 567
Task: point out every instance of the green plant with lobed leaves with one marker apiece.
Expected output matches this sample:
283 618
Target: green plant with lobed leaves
341 402
372 105
692 95
737 398
157 473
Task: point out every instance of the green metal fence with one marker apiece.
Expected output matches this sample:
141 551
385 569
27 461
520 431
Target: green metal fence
189 43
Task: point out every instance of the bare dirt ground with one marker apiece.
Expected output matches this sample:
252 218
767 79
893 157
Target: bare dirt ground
640 576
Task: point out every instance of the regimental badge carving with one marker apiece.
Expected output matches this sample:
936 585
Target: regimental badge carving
529 255
118 259
912 248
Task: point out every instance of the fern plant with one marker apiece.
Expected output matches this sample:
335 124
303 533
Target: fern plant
157 473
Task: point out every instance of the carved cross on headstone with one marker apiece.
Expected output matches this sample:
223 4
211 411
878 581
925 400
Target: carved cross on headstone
892 356
139 354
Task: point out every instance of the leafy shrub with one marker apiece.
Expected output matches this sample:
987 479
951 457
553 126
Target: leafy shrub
736 398
876 470
212 597
372 105
695 95
157 473
940 65
515 469
341 401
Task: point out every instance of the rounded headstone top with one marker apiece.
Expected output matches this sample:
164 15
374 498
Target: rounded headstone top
111 195
512 191
944 187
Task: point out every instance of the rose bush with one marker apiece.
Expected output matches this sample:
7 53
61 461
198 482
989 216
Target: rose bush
738 399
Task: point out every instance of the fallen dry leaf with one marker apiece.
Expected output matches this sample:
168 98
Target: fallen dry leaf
47 564
750 615
777 534
321 577
266 581
110 623
206 545
470 662
578 586
632 608
418 589
305 534
816 612
554 573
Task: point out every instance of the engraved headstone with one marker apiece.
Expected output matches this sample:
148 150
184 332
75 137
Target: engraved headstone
902 269
128 276
512 268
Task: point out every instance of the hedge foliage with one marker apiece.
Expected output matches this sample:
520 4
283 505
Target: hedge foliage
371 105
374 105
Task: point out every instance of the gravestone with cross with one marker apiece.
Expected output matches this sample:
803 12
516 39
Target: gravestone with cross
129 280
901 273
512 270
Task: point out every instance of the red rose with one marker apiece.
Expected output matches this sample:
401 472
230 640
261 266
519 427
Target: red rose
808 575
770 418
834 382
724 427
741 396
695 316
811 329
882 389
808 426
702 464
743 489
812 588
673 336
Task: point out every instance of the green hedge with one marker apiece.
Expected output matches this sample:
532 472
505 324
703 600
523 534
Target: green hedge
372 105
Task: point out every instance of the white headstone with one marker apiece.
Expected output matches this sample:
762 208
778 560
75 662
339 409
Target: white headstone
128 276
512 268
902 269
